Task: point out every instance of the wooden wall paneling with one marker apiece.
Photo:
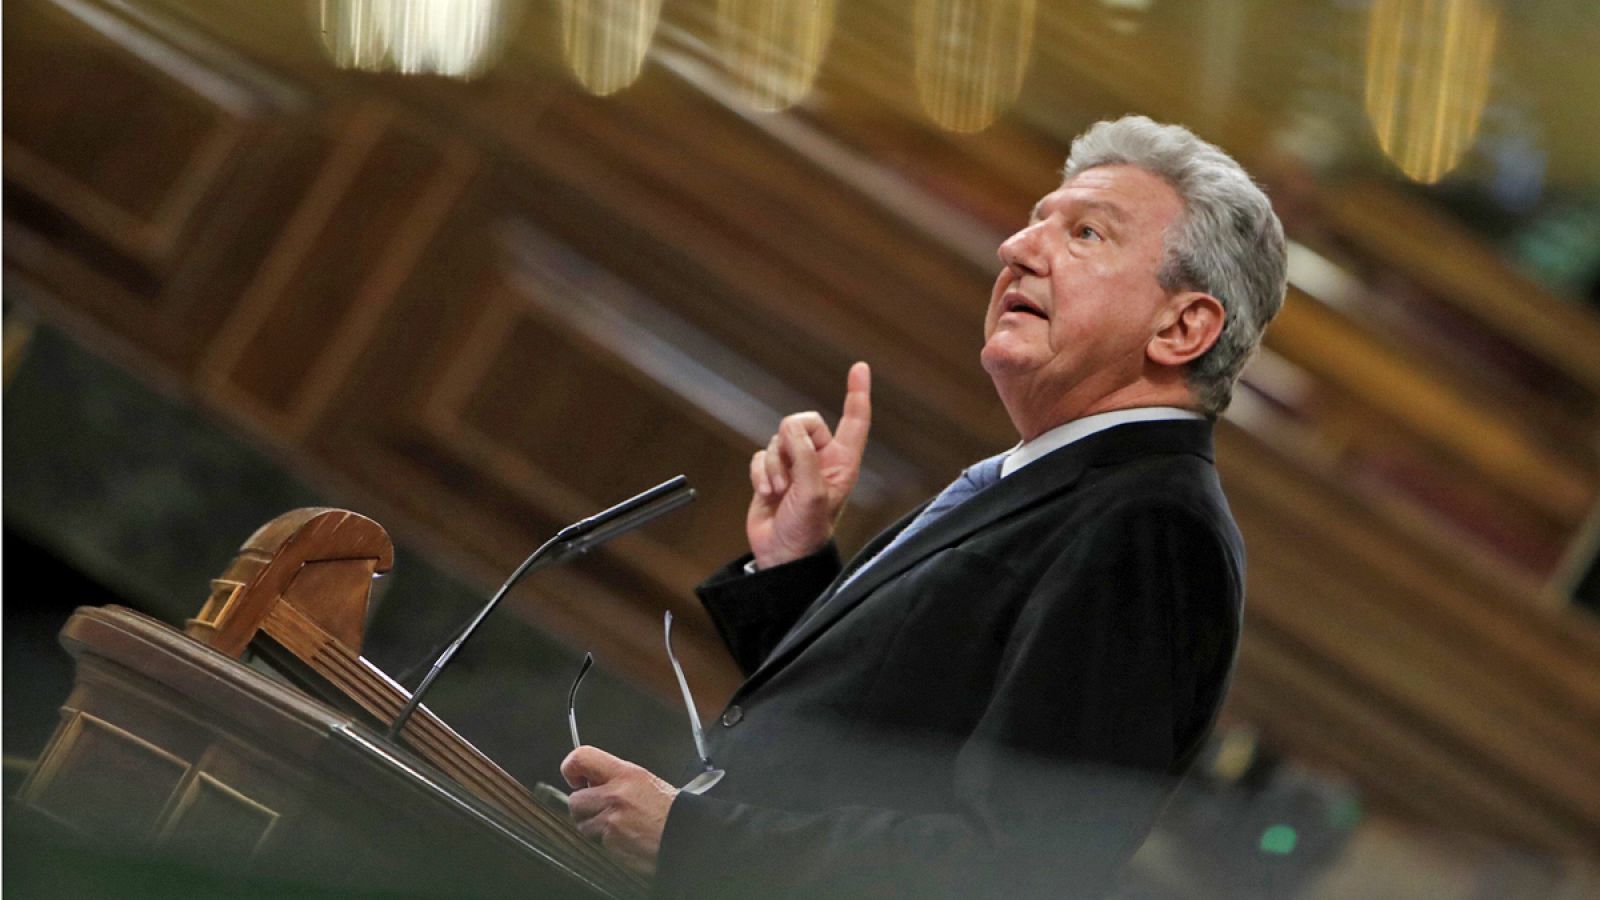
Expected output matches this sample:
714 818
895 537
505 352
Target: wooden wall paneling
554 419
818 200
910 261
1529 394
489 412
1423 489
778 307
1491 619
571 389
283 35
342 257
970 192
718 388
600 604
649 161
126 141
1424 685
1441 669
1434 491
222 258
449 506
1401 232
1319 430
87 94
1418 401
872 276
1509 695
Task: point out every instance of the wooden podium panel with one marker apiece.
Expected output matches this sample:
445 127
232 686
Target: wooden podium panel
171 747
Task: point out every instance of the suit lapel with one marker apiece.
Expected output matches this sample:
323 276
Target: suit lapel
866 555
1036 483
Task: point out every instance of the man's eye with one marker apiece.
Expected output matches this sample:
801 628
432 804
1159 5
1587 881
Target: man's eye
1088 232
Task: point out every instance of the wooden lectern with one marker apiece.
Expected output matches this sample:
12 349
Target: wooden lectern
171 743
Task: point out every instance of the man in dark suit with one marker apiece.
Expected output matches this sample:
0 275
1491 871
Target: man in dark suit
996 695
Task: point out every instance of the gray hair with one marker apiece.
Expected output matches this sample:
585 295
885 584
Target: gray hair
1227 242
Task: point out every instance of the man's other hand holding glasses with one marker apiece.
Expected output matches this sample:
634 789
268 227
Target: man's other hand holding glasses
619 804
622 805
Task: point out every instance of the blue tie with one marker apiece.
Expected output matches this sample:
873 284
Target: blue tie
975 478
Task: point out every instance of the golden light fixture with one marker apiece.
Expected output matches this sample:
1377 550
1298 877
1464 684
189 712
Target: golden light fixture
1428 67
773 48
605 41
457 38
971 56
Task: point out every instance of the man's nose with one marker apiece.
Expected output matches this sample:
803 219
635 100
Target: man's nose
1021 252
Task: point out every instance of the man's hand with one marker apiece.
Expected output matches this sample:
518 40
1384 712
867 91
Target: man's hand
804 475
621 805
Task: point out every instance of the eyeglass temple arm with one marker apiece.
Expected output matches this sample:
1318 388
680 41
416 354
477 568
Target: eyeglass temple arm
688 699
572 699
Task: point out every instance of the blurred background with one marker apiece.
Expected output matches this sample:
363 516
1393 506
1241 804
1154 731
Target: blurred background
477 269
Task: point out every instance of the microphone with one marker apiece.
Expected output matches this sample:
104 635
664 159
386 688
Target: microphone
581 536
570 542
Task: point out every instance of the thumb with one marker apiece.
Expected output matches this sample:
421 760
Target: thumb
590 766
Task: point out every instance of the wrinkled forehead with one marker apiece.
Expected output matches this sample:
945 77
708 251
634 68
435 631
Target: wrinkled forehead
1124 193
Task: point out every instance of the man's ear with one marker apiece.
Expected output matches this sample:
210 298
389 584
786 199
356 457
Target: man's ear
1193 322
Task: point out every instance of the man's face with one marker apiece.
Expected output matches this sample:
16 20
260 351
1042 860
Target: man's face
1077 301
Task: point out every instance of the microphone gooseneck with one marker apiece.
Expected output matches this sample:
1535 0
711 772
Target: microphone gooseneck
570 542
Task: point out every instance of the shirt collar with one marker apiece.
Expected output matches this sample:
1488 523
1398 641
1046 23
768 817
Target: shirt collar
1078 429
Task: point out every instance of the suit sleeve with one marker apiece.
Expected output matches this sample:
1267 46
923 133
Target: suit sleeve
1116 647
753 612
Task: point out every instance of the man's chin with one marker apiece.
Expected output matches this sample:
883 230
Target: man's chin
1000 359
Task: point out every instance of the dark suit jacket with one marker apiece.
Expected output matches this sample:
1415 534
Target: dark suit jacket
997 707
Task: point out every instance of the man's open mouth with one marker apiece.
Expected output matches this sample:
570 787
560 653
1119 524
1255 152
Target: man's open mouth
1018 303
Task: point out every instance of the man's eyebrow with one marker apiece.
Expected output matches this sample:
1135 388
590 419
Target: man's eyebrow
1112 211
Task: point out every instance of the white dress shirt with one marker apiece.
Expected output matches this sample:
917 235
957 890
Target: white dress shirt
1078 429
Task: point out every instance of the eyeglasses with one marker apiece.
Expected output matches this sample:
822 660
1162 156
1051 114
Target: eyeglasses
711 774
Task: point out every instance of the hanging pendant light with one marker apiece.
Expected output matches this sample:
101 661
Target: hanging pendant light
605 41
773 48
1428 68
971 56
456 38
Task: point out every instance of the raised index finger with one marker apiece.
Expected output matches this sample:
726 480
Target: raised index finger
856 419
